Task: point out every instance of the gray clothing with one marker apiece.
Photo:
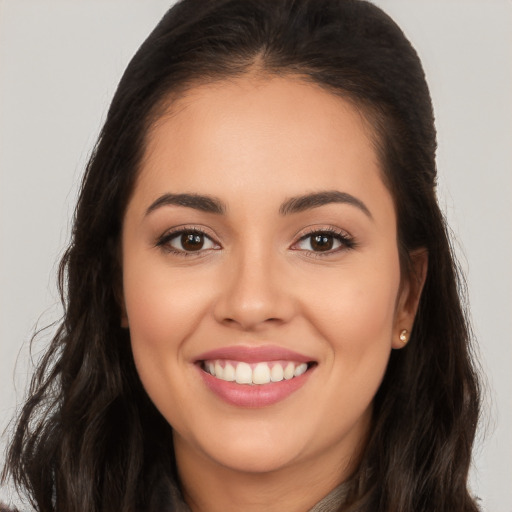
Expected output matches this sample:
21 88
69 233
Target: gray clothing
170 499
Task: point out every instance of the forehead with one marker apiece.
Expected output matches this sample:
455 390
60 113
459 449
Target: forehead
233 136
260 102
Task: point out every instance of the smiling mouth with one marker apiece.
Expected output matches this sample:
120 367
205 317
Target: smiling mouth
259 373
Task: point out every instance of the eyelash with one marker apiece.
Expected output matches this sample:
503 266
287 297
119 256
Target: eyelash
346 241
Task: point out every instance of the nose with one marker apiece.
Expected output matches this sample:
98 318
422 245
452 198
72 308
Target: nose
254 293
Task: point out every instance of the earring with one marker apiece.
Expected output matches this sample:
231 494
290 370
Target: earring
404 338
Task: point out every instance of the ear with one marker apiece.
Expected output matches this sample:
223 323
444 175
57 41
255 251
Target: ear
409 298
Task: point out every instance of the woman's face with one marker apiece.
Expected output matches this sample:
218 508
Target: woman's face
260 245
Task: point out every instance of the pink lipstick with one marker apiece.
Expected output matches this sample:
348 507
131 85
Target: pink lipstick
254 376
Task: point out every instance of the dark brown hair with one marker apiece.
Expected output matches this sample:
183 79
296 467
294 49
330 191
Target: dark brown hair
88 437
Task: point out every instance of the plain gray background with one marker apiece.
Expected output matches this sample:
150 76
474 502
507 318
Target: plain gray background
60 61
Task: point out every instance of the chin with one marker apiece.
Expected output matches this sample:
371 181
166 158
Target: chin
251 458
260 447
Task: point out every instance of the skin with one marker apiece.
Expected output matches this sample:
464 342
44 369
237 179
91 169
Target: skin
254 143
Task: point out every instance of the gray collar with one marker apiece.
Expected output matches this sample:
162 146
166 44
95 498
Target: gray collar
331 502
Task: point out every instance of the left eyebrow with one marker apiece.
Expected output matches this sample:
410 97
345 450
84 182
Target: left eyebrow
317 199
206 204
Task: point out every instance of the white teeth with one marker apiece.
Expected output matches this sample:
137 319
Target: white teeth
229 372
243 374
300 369
289 371
277 373
261 373
219 371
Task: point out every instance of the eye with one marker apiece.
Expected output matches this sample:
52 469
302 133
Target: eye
324 241
187 241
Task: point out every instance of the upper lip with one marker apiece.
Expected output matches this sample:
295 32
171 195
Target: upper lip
253 354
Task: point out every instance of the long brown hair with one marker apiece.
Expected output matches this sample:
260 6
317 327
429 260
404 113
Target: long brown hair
88 437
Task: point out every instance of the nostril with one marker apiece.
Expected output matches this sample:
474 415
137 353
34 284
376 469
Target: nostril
249 323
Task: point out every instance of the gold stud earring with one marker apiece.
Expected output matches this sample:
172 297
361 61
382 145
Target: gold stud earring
404 338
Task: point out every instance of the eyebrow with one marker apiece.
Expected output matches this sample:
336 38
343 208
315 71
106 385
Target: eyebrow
206 204
296 204
317 199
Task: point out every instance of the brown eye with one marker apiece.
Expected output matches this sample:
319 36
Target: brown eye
192 241
322 242
187 241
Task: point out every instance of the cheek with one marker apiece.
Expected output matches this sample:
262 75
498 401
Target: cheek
163 309
161 306
354 315
364 316
356 310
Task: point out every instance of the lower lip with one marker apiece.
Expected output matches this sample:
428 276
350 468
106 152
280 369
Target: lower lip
253 396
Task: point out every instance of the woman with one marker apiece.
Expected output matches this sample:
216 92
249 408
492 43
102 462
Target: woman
261 303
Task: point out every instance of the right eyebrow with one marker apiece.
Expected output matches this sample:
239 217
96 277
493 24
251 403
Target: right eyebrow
206 204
